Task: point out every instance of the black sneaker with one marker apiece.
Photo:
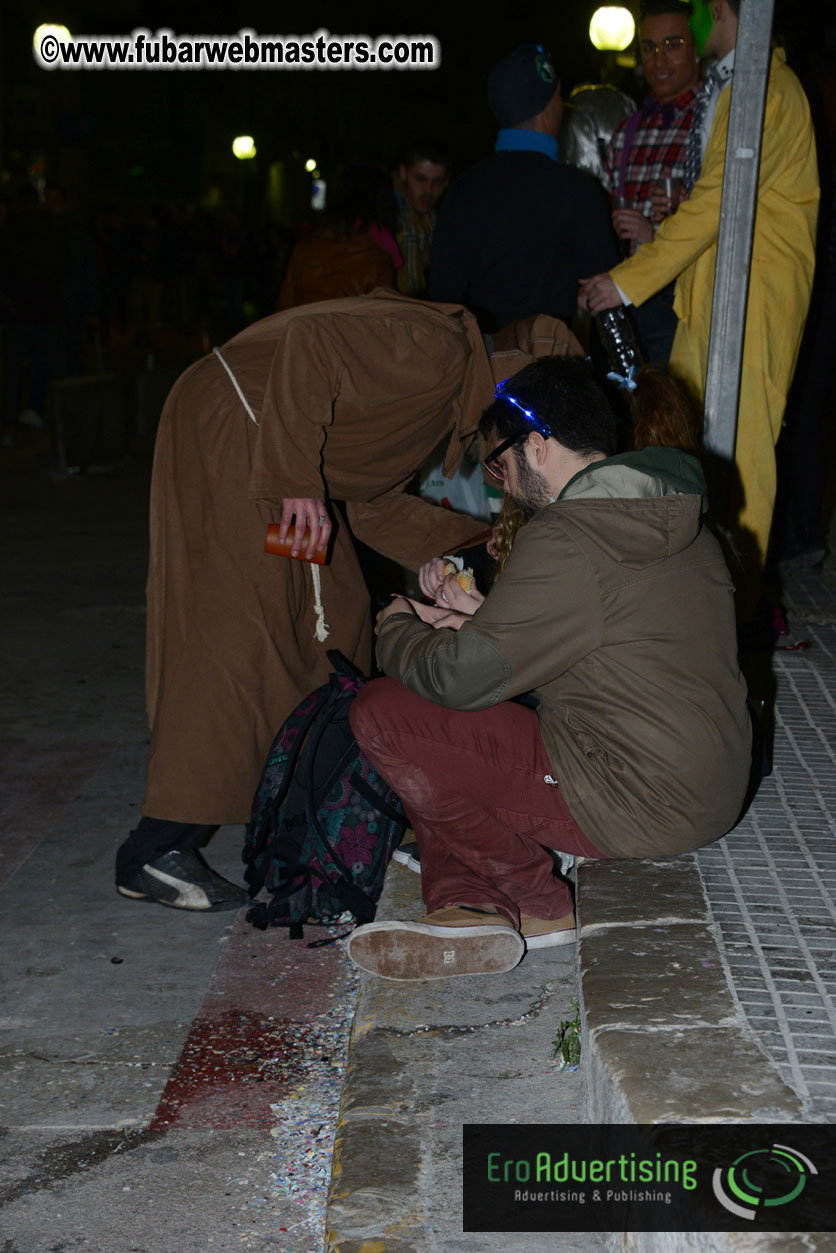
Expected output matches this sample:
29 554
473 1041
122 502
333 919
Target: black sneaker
408 855
184 881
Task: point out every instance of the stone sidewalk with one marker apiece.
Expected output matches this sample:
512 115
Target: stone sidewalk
707 983
169 1081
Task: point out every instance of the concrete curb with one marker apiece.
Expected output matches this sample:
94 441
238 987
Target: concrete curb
661 1036
426 1058
377 1150
661 1031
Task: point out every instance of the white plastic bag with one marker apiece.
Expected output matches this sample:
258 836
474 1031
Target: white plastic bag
466 491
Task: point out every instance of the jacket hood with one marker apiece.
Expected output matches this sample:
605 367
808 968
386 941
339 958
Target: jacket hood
639 507
651 472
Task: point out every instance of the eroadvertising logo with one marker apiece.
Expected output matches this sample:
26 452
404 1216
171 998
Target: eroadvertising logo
762 1177
655 1177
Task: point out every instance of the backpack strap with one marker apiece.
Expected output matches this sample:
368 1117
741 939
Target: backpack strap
345 889
369 794
315 831
264 914
324 700
343 666
267 913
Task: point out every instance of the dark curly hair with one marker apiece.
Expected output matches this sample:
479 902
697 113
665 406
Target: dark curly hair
563 396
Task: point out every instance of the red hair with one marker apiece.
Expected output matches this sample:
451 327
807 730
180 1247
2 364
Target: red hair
665 414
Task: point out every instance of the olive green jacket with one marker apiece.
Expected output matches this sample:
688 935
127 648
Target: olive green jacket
615 609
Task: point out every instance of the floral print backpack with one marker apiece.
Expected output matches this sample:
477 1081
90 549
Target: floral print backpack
324 824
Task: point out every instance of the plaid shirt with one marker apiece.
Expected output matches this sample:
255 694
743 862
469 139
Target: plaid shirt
415 237
658 149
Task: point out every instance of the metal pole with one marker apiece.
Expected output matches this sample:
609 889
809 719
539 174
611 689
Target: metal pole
734 243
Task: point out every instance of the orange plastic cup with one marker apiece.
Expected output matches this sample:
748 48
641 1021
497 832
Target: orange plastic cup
272 545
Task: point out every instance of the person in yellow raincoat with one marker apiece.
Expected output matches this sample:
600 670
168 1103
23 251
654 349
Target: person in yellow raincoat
783 259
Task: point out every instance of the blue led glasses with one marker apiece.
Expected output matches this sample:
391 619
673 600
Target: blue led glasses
491 463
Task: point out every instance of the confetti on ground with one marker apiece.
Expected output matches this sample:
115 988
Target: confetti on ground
303 1123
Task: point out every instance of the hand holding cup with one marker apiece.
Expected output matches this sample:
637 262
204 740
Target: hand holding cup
665 196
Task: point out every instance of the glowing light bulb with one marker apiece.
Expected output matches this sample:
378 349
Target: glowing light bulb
52 31
612 28
243 147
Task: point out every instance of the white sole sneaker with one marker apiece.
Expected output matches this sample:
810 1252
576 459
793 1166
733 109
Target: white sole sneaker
182 880
419 950
407 855
552 939
547 933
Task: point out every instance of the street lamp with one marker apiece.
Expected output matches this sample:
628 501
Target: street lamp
49 28
612 28
310 165
243 146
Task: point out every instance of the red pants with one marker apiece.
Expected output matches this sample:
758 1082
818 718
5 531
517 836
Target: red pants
472 787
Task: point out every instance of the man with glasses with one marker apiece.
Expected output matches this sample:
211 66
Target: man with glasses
651 146
614 609
780 281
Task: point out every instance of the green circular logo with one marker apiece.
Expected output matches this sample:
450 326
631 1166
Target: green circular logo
761 1179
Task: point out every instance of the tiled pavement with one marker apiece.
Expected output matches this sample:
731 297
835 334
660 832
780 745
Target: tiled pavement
771 885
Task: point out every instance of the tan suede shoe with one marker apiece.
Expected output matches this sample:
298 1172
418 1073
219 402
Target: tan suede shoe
449 941
548 932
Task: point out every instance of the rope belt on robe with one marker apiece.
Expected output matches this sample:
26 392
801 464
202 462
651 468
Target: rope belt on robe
322 630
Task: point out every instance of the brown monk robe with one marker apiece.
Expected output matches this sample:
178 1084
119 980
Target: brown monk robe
343 400
350 397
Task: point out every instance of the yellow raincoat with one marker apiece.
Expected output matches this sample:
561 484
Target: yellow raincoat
783 259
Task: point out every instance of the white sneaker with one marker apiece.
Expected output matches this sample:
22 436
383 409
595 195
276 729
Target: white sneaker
183 881
408 855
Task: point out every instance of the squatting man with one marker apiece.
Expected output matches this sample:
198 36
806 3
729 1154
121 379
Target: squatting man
615 610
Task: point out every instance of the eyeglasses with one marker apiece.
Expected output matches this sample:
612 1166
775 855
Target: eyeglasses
671 43
495 468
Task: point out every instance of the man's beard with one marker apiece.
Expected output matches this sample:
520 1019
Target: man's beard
532 489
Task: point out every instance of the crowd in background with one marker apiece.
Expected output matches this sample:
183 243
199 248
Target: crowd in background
133 270
81 283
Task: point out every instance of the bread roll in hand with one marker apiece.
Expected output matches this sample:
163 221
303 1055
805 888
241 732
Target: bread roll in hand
465 578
